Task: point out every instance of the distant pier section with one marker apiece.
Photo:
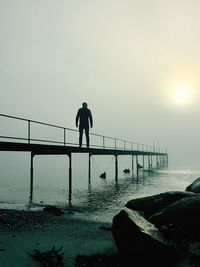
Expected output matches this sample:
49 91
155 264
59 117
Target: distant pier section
40 138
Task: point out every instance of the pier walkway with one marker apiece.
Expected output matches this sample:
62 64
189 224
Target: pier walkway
40 138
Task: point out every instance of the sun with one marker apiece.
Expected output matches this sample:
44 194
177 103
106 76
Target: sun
182 95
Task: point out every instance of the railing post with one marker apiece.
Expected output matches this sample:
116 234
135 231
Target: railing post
29 131
115 143
124 144
132 146
64 136
103 141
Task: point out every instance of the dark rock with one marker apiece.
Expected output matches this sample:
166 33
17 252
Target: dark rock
53 210
105 228
99 260
194 187
139 242
103 175
70 212
183 213
152 204
126 171
139 166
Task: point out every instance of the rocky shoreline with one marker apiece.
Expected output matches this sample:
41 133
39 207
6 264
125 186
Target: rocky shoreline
35 238
158 230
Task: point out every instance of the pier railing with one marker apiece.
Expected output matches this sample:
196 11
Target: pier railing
67 136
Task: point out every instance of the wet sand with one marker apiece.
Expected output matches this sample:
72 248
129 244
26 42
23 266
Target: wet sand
23 231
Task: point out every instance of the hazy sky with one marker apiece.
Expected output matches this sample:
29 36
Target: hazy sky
136 64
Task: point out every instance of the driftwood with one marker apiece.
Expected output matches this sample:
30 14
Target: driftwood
51 258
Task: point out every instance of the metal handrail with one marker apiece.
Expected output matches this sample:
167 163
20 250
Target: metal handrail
65 129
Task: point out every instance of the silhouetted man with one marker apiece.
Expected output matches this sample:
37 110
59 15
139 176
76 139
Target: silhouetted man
83 117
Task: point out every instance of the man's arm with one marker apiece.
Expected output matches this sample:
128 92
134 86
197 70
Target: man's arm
91 120
77 118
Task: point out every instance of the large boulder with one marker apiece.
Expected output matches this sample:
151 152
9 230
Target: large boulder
183 214
152 204
139 242
194 187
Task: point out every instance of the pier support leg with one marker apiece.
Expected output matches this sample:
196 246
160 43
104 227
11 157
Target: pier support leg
149 162
132 166
89 168
70 176
143 163
31 176
116 166
137 164
157 161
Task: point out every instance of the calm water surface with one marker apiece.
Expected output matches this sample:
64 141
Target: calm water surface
98 199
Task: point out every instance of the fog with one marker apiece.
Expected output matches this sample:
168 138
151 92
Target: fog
126 59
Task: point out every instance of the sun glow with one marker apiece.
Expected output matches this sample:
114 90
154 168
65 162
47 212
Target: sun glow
182 95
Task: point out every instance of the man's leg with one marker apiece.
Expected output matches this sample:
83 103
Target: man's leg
87 136
80 136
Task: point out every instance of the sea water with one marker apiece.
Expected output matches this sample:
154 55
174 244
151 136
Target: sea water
94 198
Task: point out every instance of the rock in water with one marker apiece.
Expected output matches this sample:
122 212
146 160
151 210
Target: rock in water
53 210
139 242
194 187
126 171
139 166
153 204
103 175
183 214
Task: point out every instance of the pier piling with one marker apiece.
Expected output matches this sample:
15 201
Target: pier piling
70 172
89 168
116 166
31 176
132 165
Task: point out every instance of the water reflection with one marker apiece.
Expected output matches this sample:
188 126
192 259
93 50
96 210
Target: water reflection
99 195
110 192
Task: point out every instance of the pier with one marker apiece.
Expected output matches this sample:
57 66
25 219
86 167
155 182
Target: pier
65 142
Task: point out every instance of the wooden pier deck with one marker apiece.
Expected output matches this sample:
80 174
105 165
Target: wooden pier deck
52 147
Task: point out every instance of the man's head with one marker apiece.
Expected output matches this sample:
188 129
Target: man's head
84 105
